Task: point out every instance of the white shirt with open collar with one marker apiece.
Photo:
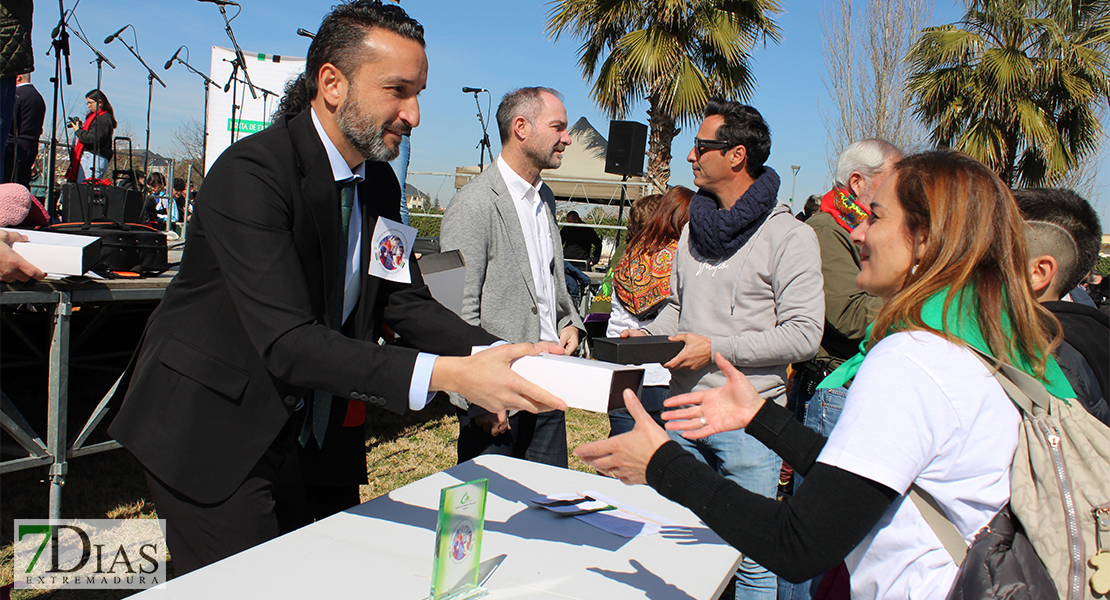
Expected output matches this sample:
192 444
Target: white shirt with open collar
532 212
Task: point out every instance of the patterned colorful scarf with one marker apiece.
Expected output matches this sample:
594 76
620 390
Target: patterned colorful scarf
843 207
643 282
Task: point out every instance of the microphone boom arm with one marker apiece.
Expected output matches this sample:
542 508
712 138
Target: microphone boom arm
238 52
151 78
100 58
207 79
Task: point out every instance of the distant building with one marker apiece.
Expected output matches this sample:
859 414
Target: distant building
416 200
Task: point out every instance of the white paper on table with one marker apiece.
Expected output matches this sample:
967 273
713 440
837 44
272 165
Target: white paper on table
626 521
571 504
391 250
557 498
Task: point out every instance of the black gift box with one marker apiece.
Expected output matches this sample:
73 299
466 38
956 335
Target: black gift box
636 350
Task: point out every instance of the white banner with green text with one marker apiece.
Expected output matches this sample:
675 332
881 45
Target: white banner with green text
266 71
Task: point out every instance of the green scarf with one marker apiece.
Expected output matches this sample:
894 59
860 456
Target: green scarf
963 325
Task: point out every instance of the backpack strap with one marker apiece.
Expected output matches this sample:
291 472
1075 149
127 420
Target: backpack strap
937 521
1025 392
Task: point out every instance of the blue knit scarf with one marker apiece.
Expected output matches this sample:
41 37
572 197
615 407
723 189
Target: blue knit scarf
716 233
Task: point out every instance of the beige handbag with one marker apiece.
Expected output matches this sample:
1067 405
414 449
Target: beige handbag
1060 485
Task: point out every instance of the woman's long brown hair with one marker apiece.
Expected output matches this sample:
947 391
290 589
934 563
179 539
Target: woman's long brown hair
665 222
974 239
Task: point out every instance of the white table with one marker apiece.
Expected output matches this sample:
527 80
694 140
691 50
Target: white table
383 548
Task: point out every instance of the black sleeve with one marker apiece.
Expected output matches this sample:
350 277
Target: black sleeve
100 128
798 539
776 428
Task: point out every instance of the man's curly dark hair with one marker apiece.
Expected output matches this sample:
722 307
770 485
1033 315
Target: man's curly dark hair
340 42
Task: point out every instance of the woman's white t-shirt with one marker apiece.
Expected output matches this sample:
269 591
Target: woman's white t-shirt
923 410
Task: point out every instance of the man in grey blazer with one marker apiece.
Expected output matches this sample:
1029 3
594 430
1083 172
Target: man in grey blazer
502 223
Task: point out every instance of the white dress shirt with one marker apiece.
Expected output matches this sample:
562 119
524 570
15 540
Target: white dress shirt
352 285
533 214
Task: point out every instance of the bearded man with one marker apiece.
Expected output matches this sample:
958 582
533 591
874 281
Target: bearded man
272 325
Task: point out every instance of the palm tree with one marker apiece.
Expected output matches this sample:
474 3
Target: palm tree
1018 84
676 54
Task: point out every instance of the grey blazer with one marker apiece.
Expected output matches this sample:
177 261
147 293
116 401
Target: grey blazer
500 296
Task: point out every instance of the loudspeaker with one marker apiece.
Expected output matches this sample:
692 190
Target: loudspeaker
88 203
625 154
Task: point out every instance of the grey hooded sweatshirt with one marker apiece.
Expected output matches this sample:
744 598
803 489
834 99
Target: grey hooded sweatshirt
762 308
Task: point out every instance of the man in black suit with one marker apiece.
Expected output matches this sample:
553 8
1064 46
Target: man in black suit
272 313
23 141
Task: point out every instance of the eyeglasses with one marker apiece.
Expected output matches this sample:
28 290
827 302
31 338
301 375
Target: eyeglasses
701 145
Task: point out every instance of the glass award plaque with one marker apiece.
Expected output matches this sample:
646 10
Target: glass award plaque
462 517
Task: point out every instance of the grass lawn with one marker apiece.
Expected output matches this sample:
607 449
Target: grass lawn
399 450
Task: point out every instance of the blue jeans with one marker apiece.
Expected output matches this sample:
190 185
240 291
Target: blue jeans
822 412
93 166
823 409
652 398
748 463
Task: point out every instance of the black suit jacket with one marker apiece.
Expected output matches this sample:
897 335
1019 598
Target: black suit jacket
243 332
30 112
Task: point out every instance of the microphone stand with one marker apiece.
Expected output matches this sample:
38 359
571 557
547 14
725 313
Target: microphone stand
60 45
265 92
151 76
483 144
207 82
100 58
233 85
241 64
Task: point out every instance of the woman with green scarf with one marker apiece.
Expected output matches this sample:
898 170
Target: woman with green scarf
945 248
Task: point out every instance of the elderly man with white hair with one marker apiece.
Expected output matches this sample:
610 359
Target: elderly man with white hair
848 309
862 167
860 171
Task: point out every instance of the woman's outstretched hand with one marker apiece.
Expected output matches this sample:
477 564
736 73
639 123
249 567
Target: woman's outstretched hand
712 411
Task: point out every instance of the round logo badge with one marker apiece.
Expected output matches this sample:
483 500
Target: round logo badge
391 251
462 541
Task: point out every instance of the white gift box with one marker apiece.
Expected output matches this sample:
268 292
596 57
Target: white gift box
581 383
59 253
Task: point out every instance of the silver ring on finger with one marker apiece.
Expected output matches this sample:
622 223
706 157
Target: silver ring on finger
704 423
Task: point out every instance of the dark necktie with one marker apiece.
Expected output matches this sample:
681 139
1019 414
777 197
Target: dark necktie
321 401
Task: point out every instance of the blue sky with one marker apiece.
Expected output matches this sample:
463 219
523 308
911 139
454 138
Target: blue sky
494 44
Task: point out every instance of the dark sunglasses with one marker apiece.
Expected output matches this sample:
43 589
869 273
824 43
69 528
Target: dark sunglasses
701 145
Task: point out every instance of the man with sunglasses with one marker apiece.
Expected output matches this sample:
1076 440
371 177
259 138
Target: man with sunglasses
746 283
